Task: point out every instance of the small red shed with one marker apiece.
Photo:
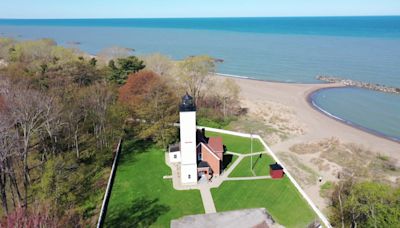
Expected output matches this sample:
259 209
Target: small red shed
276 171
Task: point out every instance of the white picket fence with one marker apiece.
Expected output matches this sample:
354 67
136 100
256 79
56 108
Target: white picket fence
321 216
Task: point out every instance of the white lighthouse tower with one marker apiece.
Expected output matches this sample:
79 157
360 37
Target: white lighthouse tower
187 117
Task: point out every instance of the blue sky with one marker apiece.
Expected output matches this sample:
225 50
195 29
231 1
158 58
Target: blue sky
193 8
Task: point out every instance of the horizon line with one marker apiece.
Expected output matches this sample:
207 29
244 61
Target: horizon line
97 18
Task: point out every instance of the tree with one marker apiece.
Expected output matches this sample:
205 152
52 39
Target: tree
93 62
365 204
8 144
28 112
228 92
9 150
59 122
32 53
153 106
82 73
5 46
120 70
98 100
159 64
40 216
194 74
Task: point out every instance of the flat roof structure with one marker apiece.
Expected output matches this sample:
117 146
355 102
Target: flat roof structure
257 217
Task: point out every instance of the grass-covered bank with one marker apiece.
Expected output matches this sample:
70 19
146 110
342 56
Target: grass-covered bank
279 197
141 197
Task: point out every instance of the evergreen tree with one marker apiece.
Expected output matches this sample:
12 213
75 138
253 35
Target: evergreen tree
119 71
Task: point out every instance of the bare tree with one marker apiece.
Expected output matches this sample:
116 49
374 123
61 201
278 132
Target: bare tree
52 121
195 72
9 149
159 64
98 101
29 109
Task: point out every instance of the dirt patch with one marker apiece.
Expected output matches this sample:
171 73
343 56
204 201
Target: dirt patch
321 164
275 122
303 173
312 148
353 158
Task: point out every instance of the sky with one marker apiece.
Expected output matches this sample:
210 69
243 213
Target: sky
193 8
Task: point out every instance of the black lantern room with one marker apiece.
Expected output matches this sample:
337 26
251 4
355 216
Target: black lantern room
187 104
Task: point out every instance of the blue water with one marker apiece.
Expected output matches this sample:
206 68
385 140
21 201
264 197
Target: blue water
345 103
384 26
277 49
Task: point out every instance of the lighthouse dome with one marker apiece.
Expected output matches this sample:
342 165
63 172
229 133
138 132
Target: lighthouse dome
187 104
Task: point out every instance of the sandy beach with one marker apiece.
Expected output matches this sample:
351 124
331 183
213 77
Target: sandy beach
318 125
308 126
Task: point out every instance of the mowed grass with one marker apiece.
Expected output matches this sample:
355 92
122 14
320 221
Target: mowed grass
279 197
141 197
238 144
260 166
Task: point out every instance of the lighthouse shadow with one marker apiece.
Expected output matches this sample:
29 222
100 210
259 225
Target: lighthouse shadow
130 148
226 160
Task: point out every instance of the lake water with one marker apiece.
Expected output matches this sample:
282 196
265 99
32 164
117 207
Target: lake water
277 49
373 111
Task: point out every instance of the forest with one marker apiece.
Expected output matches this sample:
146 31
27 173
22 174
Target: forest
62 112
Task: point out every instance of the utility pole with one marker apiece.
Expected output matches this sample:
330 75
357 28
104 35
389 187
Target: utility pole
251 151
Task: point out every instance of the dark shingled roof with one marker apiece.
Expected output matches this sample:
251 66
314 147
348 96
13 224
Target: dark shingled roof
174 147
203 164
276 166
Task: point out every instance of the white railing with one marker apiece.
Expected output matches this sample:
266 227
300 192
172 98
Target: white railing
321 216
109 186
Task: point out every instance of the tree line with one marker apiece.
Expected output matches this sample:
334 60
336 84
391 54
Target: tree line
62 112
361 203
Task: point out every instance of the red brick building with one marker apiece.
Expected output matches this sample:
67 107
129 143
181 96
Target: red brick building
210 153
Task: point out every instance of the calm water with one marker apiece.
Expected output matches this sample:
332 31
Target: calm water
280 49
377 111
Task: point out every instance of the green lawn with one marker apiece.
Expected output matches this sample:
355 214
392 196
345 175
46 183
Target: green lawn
238 144
260 166
141 197
279 197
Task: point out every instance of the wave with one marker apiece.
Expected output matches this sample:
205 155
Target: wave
234 76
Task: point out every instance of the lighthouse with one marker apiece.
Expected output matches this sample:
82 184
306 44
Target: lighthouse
187 117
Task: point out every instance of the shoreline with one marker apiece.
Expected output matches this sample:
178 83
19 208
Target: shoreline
272 81
291 105
314 106
317 125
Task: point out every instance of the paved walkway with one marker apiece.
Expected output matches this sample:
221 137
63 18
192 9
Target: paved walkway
247 178
215 182
208 201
